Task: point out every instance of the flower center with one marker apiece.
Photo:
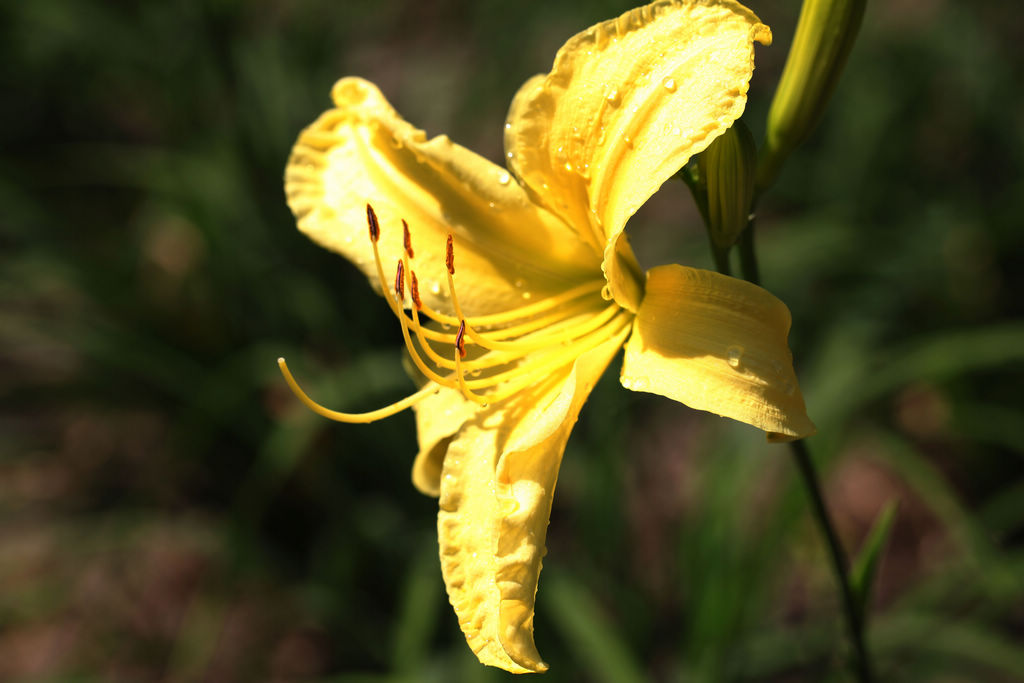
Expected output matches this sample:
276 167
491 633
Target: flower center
487 358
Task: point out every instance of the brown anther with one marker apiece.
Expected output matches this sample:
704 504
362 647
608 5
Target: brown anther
407 238
449 257
371 220
400 281
414 289
460 342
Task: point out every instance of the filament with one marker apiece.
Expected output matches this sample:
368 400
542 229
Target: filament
353 418
489 357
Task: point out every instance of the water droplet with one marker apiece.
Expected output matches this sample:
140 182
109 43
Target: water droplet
527 296
613 98
519 283
733 356
568 167
511 155
634 384
670 84
504 179
508 126
435 288
491 205
628 140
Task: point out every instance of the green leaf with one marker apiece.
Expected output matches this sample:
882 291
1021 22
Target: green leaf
595 641
865 566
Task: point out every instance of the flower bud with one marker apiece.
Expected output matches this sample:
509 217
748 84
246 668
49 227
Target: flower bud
728 168
825 33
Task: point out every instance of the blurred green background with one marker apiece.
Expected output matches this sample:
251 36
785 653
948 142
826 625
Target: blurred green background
169 512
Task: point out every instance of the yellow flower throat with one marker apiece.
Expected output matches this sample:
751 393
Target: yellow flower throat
490 357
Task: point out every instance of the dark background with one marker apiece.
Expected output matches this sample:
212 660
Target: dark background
169 512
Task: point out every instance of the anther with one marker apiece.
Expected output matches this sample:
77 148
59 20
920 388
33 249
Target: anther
400 282
449 257
371 220
460 341
407 238
414 288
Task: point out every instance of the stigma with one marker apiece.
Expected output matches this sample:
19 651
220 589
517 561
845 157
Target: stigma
487 358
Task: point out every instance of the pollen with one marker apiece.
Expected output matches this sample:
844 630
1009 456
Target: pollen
414 290
407 239
490 357
449 255
460 340
400 281
371 220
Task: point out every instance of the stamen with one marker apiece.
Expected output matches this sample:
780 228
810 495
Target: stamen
514 314
371 220
520 347
528 375
400 282
353 418
407 238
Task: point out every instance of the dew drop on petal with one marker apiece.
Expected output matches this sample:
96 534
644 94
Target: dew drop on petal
669 84
527 296
435 288
733 356
519 283
504 179
613 98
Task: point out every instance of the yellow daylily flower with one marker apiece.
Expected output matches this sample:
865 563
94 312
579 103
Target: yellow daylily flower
515 288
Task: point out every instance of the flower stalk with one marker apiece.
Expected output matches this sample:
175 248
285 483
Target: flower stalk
825 34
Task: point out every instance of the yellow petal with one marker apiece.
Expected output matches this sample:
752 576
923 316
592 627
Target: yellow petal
362 152
497 484
718 344
438 419
626 104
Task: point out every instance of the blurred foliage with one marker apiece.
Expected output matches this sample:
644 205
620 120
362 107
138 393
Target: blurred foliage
169 512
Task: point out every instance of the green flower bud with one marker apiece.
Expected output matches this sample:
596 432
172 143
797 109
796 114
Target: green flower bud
825 33
728 168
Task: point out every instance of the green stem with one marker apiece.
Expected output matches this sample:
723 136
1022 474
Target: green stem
721 257
748 256
854 617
